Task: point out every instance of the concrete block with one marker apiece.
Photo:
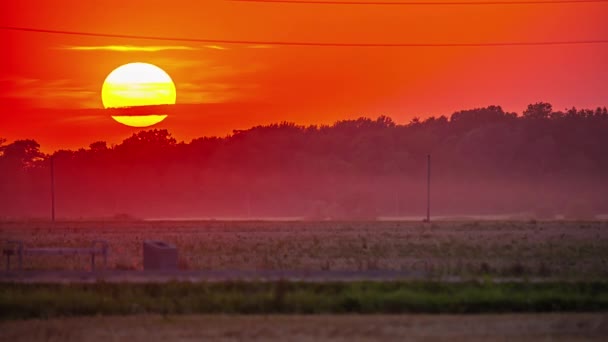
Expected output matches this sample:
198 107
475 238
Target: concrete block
159 255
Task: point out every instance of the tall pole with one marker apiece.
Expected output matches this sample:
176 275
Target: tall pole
428 190
396 203
249 205
52 189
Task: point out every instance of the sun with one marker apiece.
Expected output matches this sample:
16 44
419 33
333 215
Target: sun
134 85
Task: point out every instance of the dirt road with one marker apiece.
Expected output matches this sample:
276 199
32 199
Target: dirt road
505 327
30 276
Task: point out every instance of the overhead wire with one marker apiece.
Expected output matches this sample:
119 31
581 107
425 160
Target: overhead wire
298 43
421 3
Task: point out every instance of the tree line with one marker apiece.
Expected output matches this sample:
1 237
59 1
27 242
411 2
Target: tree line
484 161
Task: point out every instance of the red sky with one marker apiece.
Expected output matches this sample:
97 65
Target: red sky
50 82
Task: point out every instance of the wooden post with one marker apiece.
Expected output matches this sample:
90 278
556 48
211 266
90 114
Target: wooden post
52 189
428 190
105 258
20 259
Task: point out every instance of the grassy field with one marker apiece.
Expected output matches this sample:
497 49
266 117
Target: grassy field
570 250
572 256
150 328
24 301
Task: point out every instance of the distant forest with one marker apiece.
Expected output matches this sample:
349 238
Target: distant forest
542 163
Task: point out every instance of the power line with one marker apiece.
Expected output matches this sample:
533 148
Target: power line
421 3
295 43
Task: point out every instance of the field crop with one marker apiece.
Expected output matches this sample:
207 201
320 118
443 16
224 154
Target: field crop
567 250
24 301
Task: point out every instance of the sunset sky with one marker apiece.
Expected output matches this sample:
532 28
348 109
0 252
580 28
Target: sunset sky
50 84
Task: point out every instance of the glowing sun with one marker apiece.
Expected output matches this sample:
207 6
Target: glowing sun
134 85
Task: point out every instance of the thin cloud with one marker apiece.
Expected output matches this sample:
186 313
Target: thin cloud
260 46
131 48
213 92
216 47
83 118
51 93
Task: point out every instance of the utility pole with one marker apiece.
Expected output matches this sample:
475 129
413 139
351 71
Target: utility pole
52 188
396 204
249 205
428 190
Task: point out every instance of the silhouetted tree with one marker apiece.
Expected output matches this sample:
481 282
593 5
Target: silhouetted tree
540 110
159 138
481 116
22 153
98 146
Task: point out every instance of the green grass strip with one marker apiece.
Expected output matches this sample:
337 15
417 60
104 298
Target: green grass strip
22 301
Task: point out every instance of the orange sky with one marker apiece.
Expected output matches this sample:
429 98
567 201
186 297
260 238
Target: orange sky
50 83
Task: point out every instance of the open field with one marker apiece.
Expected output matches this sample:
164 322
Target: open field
557 249
149 328
571 259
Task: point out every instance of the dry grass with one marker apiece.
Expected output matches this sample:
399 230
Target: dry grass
521 327
509 248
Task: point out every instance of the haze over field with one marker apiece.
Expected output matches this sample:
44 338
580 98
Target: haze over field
485 161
